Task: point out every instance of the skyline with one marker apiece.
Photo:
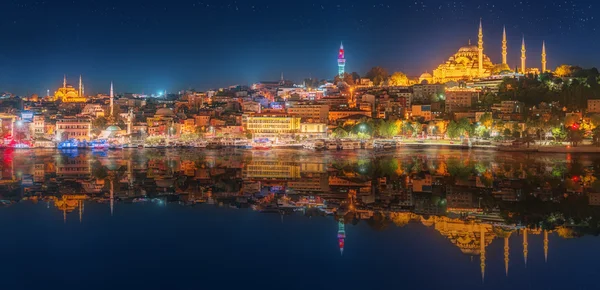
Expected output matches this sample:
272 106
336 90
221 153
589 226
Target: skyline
150 54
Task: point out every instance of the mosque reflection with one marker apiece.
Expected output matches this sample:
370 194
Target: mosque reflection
471 198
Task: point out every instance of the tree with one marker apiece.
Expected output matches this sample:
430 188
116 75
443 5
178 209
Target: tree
347 78
388 129
398 79
563 70
559 133
486 120
100 123
339 132
377 75
453 130
416 128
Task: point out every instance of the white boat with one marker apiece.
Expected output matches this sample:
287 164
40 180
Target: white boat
200 144
332 146
348 145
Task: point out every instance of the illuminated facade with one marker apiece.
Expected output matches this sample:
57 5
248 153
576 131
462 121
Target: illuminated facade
470 63
68 94
341 61
270 125
73 128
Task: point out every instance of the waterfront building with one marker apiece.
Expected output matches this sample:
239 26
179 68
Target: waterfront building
73 128
310 112
313 130
270 125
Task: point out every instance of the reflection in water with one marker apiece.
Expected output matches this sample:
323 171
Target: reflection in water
471 198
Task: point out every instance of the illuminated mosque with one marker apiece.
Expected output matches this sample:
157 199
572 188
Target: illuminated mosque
471 63
68 94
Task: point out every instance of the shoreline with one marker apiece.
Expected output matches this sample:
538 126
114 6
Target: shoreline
532 149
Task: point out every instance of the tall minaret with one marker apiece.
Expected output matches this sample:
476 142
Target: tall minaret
65 81
523 58
543 56
504 46
80 86
480 48
112 197
341 61
112 100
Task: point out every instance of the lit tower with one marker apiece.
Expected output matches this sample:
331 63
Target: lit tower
543 56
523 58
80 86
480 48
65 81
341 234
341 61
504 46
112 97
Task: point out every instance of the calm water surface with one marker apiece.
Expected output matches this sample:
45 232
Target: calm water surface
189 219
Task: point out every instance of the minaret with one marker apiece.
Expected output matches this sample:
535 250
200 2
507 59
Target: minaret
482 252
506 254
523 58
341 235
545 246
480 48
525 245
65 81
82 90
80 86
504 46
543 56
112 97
341 61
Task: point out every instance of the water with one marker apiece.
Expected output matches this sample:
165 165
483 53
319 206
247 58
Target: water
187 219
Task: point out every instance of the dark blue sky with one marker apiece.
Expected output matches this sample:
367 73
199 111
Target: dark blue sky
146 46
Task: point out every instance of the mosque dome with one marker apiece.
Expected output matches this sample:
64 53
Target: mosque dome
113 128
165 112
469 48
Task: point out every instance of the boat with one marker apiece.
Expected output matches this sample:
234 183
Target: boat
348 145
332 146
68 144
115 146
200 144
261 147
99 145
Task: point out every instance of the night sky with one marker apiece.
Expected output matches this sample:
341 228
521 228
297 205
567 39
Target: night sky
147 46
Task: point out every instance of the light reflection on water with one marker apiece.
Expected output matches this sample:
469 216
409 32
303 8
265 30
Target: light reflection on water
491 214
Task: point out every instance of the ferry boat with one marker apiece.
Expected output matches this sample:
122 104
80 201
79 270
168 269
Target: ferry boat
200 144
332 145
261 147
68 144
99 145
350 145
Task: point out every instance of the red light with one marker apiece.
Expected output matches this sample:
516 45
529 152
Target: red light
575 126
575 178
